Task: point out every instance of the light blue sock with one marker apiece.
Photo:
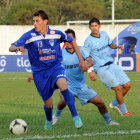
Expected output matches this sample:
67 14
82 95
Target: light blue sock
69 99
106 117
48 113
123 108
115 102
58 112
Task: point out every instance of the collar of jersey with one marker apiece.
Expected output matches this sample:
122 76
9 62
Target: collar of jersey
95 36
68 51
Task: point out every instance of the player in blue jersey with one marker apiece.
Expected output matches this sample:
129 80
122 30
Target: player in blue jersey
110 74
45 56
76 82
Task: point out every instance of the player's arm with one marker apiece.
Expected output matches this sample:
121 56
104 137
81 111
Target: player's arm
90 70
82 65
30 78
114 46
13 48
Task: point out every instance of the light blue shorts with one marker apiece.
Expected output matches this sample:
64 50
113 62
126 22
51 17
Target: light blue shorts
83 94
112 75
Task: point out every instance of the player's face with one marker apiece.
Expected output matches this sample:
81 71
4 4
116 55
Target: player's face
95 28
40 24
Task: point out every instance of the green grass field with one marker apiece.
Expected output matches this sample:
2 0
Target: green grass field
18 99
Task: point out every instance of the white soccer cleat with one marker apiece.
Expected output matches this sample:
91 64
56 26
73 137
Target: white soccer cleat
116 108
113 123
55 119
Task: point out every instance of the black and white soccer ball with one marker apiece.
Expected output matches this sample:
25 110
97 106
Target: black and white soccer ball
18 127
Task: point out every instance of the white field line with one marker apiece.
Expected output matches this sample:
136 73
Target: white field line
37 137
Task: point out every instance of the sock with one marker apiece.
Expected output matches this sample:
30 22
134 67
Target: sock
48 113
69 99
115 102
106 118
123 108
58 112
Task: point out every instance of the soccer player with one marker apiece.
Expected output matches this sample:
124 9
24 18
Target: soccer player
45 56
76 82
110 74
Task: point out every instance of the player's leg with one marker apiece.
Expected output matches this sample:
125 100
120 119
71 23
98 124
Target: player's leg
60 106
69 99
48 107
121 77
102 109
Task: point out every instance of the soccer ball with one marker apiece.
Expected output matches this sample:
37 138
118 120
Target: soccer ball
18 127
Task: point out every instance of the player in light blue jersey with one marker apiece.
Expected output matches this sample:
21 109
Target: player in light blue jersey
76 82
45 56
110 74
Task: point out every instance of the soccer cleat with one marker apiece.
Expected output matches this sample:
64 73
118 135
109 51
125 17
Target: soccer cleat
127 114
48 125
113 123
55 119
77 121
116 108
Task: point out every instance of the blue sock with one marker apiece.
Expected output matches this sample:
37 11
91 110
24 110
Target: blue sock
58 112
106 118
123 108
115 102
69 99
48 113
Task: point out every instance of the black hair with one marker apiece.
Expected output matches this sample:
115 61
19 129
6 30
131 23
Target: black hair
70 31
94 20
42 14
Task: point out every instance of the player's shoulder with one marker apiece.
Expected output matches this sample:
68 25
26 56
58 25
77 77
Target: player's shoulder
55 30
103 33
30 33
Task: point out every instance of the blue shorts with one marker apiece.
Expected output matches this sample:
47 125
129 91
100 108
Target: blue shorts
112 75
83 94
45 80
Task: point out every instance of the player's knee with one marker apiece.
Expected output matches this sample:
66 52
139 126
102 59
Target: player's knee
127 86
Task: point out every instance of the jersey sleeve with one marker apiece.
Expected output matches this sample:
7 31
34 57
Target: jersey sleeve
109 40
21 42
87 45
66 38
85 54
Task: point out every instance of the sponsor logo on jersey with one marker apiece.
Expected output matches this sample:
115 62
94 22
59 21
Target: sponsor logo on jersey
33 34
52 32
47 57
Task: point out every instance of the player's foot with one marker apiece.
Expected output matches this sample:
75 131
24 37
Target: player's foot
127 114
77 121
48 125
55 119
116 108
113 123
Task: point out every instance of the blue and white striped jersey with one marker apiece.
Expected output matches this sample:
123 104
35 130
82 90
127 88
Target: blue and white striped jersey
44 50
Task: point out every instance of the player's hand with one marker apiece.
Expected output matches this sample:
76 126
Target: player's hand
83 66
21 49
29 79
121 47
92 76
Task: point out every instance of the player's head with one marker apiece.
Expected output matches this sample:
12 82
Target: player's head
40 20
71 33
94 25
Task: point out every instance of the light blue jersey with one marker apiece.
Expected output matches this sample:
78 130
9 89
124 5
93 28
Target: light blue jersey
75 77
70 61
98 48
111 75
